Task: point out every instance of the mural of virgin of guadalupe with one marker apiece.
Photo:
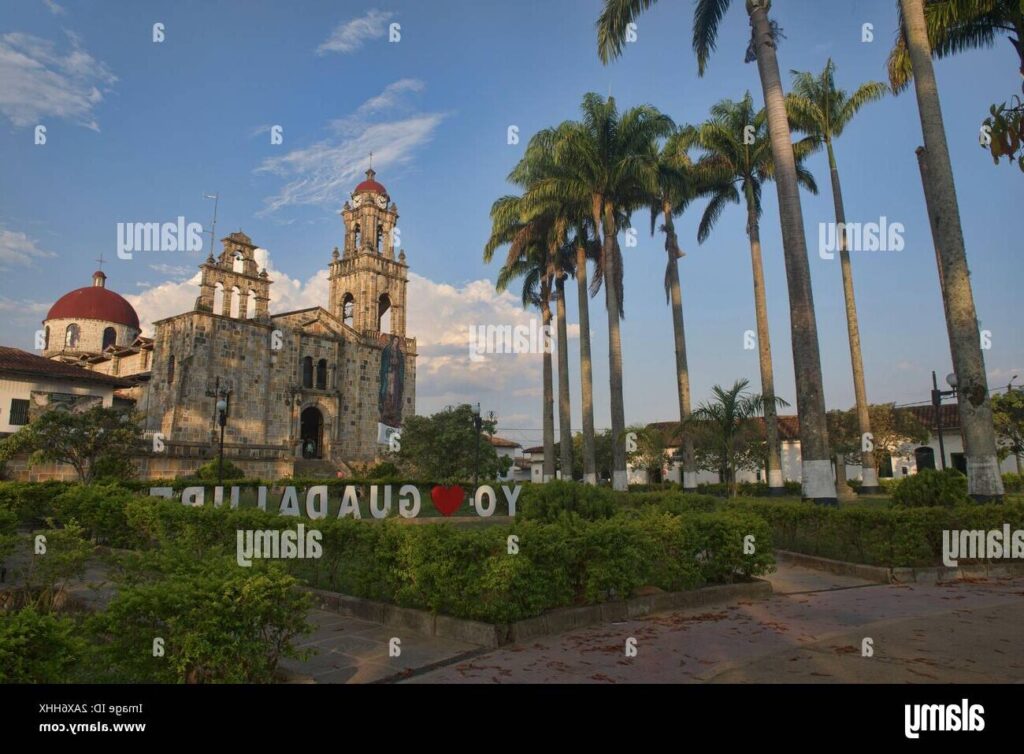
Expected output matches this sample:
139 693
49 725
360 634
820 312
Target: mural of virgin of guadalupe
392 382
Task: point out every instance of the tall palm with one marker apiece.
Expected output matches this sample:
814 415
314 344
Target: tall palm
679 183
611 159
739 150
820 110
725 423
528 258
957 25
983 479
612 27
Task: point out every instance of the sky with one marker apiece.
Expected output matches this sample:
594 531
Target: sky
142 121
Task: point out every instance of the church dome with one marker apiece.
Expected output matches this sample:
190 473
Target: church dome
95 302
370 185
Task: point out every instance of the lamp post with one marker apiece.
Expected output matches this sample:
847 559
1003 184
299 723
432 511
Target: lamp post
478 423
223 404
937 396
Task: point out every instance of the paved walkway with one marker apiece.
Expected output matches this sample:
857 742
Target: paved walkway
964 632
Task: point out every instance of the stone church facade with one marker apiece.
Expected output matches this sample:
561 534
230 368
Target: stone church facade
307 391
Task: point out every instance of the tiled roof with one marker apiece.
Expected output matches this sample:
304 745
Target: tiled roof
18 362
501 442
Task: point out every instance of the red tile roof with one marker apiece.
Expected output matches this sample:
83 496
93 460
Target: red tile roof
14 361
501 442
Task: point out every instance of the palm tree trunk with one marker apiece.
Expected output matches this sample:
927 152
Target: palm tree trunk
549 405
564 420
869 477
611 289
682 369
818 484
586 369
776 486
983 479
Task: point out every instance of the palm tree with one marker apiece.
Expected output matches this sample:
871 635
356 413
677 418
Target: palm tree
725 423
679 183
610 159
740 152
820 110
983 479
612 26
528 258
957 25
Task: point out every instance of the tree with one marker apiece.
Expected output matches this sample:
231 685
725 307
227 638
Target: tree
726 429
612 26
983 479
895 431
820 110
1008 414
679 183
739 151
442 447
88 440
609 159
529 258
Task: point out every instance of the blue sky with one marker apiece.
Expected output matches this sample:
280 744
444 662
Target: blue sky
138 131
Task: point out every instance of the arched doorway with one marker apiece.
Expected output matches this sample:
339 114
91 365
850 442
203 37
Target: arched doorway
925 458
311 432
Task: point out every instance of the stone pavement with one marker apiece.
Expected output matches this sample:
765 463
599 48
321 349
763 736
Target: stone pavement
960 632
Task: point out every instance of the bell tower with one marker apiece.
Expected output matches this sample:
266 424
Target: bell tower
367 282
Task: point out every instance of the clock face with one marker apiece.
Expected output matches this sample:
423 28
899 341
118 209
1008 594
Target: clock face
382 202
357 201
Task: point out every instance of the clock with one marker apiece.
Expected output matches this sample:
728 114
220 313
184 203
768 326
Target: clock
357 201
382 202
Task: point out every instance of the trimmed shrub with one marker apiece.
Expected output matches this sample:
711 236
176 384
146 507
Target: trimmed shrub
37 647
31 502
208 472
553 500
930 488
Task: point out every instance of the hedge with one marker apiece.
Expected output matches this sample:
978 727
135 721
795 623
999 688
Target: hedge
890 536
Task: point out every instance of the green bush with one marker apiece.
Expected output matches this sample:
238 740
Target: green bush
1013 483
217 623
553 500
31 502
209 472
885 536
101 511
930 488
37 647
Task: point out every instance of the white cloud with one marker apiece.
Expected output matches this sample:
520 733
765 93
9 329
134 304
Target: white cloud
173 270
23 306
54 8
38 81
17 248
322 174
351 35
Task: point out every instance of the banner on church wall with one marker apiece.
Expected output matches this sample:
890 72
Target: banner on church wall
385 433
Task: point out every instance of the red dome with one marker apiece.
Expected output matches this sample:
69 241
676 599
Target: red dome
370 184
94 302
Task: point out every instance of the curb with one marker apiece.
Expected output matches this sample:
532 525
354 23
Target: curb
904 574
493 635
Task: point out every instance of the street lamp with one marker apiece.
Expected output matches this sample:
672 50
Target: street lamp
937 396
223 404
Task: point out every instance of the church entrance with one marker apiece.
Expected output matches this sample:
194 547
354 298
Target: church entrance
311 432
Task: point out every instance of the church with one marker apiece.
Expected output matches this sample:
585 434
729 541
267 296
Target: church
304 392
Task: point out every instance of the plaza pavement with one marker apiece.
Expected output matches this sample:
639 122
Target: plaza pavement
811 630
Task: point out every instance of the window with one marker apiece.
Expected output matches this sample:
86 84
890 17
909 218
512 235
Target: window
170 370
321 374
109 337
250 304
71 336
236 302
19 411
348 305
307 371
384 313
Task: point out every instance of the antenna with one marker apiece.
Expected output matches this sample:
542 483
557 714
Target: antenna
213 225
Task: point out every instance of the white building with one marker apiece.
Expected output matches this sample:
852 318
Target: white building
30 384
519 471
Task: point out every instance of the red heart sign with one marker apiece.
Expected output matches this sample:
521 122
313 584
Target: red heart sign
447 499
